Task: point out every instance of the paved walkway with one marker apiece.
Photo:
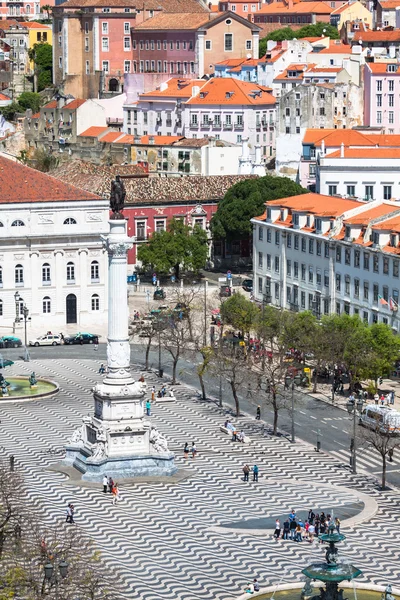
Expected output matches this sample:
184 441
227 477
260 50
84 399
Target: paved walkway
167 540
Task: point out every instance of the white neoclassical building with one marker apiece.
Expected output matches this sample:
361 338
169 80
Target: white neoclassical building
51 251
329 255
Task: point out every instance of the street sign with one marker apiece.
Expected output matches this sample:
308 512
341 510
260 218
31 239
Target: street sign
229 275
154 278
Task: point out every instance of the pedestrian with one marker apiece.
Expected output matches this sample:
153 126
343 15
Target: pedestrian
292 527
163 390
102 369
390 455
105 484
234 434
382 400
115 493
246 471
256 585
306 526
69 518
186 451
96 346
110 484
392 397
299 530
337 524
376 398
153 393
148 407
311 532
311 516
277 532
193 450
286 529
317 524
258 413
255 473
292 516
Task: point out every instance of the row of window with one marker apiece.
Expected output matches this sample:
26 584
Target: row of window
46 273
368 191
105 44
20 223
345 253
390 82
166 45
303 19
316 304
388 117
46 304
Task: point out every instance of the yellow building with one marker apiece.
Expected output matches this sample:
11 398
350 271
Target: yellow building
351 11
38 33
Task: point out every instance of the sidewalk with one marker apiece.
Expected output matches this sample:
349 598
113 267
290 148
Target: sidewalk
324 393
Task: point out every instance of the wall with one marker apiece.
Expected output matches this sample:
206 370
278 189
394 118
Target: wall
220 161
88 115
216 33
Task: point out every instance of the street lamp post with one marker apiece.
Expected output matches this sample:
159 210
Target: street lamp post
354 408
292 380
25 312
51 575
17 311
160 371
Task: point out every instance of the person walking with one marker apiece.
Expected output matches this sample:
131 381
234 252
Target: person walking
337 524
258 413
102 369
70 516
299 530
148 407
392 397
105 484
246 471
286 529
255 473
110 484
153 393
292 527
193 450
277 532
115 493
390 453
186 451
311 532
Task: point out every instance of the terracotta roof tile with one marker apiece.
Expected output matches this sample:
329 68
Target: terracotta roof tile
111 136
389 225
74 104
175 21
161 140
3 97
154 190
230 91
377 36
378 211
371 152
381 68
51 104
318 204
335 137
319 8
177 88
19 183
93 131
389 4
35 25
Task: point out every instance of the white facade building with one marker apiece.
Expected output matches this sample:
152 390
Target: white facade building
329 255
51 251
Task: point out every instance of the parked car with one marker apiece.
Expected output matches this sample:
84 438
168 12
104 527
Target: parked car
82 338
225 291
380 418
159 294
10 341
247 285
46 340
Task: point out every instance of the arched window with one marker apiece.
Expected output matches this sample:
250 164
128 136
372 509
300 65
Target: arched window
1 224
94 271
19 274
95 302
28 9
46 274
46 305
18 223
1 308
70 271
70 221
113 85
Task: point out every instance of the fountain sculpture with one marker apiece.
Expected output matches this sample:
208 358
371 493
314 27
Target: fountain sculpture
117 440
332 572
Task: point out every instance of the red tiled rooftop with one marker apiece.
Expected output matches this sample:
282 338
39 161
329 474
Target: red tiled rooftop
51 104
3 97
319 8
74 104
381 68
373 213
161 140
111 136
229 91
177 88
371 152
318 204
377 36
93 131
389 225
19 184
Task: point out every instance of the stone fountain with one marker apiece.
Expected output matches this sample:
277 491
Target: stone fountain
117 440
333 571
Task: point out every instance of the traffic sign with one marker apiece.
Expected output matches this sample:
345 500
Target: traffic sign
229 274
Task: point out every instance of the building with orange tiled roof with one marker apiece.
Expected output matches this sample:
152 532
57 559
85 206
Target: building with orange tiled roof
329 255
243 8
350 11
290 12
188 45
60 121
386 13
52 250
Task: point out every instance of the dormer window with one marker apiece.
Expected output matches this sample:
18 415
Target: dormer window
308 220
375 238
393 240
331 225
318 225
295 219
391 68
282 215
348 232
268 214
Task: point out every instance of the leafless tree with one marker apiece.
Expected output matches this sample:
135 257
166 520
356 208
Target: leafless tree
13 509
382 440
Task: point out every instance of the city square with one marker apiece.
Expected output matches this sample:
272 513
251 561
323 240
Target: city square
188 538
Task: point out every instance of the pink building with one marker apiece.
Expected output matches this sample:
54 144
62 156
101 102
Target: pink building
290 12
243 8
382 95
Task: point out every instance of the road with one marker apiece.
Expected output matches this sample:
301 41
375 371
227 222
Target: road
313 418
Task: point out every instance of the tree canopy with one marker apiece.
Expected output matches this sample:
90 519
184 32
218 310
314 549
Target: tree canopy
287 33
30 100
245 200
42 56
178 247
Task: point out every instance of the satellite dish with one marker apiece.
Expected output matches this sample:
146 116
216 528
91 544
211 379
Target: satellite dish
248 55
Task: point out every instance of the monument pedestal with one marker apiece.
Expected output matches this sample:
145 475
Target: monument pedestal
118 441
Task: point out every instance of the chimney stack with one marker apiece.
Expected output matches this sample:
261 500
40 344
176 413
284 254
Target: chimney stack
342 150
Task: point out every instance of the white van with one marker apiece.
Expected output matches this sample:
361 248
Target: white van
380 418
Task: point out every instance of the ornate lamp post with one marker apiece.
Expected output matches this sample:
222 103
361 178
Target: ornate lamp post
292 380
17 311
354 408
51 574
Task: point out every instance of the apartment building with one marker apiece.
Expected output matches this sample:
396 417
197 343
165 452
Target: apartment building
189 45
289 12
382 95
329 255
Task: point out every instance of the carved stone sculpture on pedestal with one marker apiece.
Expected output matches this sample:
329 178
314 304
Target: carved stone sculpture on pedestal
118 440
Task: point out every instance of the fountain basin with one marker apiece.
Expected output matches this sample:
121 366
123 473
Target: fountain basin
20 389
375 593
334 573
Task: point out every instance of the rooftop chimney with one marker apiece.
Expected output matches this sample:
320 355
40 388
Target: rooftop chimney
323 148
151 139
342 150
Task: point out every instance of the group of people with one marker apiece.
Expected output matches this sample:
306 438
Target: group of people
237 436
294 528
192 450
388 399
246 472
111 486
252 587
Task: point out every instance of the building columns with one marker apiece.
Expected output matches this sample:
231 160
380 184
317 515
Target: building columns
283 271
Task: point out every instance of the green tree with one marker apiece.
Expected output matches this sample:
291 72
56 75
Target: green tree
178 247
246 200
10 111
47 8
42 56
384 351
286 33
43 161
240 312
30 100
